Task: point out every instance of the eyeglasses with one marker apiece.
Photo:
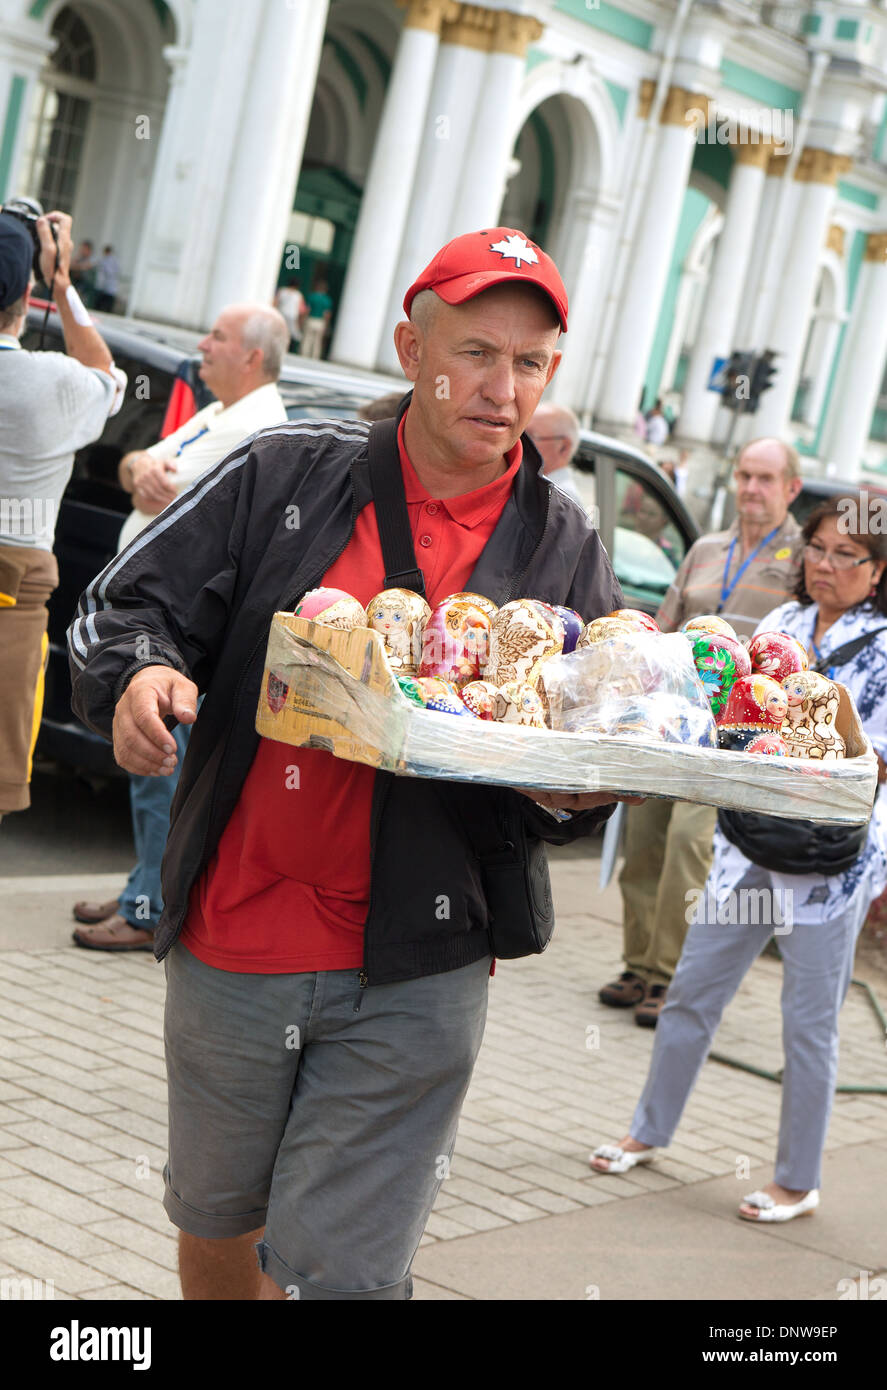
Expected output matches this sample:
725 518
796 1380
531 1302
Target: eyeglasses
838 559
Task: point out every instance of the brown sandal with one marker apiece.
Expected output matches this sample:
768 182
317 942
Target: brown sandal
95 912
622 993
646 1015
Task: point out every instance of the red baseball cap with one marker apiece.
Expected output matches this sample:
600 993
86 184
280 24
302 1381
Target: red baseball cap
474 262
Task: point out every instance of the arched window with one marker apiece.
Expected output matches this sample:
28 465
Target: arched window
61 114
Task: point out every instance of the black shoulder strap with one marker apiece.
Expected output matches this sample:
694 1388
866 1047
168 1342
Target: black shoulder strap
392 518
841 655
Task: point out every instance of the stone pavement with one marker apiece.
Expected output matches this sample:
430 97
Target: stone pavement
521 1216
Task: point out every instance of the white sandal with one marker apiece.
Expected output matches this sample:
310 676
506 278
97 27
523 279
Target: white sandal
620 1160
769 1210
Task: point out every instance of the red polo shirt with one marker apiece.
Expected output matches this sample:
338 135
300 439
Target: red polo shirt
288 887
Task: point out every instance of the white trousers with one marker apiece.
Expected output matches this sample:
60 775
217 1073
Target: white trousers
817 968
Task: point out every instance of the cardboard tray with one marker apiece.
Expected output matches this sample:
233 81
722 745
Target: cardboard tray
341 695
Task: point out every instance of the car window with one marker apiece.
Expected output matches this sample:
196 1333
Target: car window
648 546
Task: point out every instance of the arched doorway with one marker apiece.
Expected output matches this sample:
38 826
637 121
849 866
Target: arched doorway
95 115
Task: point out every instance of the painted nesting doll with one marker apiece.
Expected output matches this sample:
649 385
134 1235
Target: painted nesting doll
440 695
456 642
720 661
573 625
809 726
777 654
523 634
400 616
602 630
709 622
486 605
773 744
518 703
755 705
332 608
480 698
636 618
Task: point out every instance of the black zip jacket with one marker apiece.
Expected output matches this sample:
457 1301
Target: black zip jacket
197 589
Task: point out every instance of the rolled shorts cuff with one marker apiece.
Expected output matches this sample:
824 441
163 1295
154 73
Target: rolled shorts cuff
206 1224
297 1287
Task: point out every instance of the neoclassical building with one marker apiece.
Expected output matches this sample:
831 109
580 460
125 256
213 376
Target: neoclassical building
710 176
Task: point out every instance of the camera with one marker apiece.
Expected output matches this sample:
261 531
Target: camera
27 210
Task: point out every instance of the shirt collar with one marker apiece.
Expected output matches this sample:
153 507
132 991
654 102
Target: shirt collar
469 509
7 341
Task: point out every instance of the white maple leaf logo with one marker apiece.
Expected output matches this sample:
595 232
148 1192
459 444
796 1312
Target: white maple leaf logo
518 248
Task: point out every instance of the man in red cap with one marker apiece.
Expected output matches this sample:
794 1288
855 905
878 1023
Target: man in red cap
327 932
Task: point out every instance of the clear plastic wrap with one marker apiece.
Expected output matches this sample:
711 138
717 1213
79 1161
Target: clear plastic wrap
636 684
329 689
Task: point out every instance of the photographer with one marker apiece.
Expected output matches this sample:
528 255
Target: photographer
50 406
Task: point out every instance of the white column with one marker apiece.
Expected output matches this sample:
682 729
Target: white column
23 54
653 249
228 158
386 196
862 366
449 128
482 184
765 250
715 335
271 138
817 173
589 220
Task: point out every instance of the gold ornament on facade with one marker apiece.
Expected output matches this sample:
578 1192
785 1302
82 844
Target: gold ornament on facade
835 240
752 148
685 108
514 33
473 27
876 247
777 162
821 166
428 14
646 92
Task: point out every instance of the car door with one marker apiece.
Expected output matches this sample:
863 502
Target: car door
643 524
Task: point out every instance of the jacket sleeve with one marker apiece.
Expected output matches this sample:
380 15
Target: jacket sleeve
541 822
166 598
595 590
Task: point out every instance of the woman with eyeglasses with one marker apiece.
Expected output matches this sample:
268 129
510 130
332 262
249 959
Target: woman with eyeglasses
841 602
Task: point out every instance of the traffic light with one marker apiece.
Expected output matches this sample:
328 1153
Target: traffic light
737 380
762 377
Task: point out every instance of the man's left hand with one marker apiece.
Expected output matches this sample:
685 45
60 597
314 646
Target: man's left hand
576 801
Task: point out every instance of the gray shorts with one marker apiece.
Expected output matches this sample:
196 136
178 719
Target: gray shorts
330 1127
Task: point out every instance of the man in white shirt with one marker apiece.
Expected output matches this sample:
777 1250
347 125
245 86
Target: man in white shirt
51 404
554 429
242 357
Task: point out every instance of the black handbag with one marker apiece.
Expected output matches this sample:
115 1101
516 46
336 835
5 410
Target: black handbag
800 846
513 862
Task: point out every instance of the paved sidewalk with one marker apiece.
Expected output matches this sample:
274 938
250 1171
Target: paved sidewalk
521 1216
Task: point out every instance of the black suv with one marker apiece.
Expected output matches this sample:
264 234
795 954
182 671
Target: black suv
643 524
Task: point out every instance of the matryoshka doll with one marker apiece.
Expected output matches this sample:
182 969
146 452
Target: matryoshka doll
456 642
602 630
523 634
573 625
480 698
720 661
636 618
809 727
518 703
332 608
486 605
755 705
400 615
709 622
777 654
440 695
773 744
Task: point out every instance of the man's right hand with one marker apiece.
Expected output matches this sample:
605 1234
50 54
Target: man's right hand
150 480
49 266
142 742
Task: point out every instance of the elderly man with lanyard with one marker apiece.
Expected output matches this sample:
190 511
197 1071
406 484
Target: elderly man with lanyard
323 1015
742 573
